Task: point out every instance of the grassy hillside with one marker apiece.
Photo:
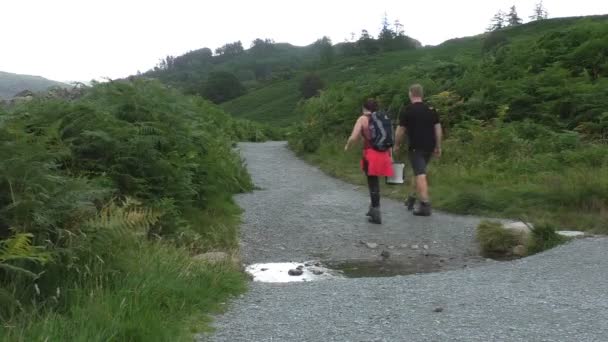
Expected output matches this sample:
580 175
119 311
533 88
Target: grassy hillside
277 102
104 201
11 84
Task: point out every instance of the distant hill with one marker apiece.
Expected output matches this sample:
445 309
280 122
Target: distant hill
11 84
265 62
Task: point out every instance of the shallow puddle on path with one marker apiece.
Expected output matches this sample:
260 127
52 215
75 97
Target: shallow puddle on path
386 268
278 272
315 271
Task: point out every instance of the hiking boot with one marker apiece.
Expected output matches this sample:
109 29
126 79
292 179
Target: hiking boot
424 209
410 202
375 216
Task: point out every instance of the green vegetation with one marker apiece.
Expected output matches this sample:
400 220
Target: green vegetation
498 242
524 112
11 84
103 201
266 63
495 241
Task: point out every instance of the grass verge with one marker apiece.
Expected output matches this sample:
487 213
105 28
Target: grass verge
155 290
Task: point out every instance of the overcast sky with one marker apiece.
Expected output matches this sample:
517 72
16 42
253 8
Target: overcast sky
69 40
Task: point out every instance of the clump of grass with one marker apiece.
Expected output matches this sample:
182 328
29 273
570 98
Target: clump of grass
544 237
160 295
494 240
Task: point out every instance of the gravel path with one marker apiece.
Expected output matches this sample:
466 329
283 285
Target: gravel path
301 214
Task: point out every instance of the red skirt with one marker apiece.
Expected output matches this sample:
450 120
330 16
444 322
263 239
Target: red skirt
378 163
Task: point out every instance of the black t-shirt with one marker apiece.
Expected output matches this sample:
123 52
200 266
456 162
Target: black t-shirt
419 119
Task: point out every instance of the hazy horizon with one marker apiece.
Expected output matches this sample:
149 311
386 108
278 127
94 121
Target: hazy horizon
68 40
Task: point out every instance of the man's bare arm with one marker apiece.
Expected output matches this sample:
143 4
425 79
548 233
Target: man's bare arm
439 137
399 135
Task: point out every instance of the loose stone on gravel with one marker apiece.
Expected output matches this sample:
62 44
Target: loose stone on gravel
371 245
415 247
295 272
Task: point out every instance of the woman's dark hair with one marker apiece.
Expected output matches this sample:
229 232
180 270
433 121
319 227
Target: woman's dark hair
371 105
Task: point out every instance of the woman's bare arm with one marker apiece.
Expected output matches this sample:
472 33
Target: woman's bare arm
355 135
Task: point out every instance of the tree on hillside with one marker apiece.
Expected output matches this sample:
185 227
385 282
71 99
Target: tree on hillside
222 86
540 12
311 85
262 46
326 50
386 36
498 22
386 33
399 31
230 49
513 18
367 44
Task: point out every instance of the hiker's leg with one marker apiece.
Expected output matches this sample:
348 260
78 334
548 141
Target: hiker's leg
419 160
423 188
414 187
369 182
374 190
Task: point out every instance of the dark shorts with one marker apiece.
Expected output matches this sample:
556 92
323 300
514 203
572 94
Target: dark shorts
419 161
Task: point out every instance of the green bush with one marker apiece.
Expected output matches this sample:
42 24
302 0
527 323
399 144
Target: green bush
544 237
494 240
88 186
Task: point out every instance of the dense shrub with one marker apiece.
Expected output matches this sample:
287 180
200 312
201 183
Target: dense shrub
85 184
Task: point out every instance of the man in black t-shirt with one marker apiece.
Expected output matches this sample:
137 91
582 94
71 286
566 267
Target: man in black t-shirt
424 135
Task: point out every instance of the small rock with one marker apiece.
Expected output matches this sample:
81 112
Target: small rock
425 246
300 267
317 264
317 272
415 247
308 264
385 254
295 272
519 250
438 309
570 233
282 248
442 260
371 245
264 269
403 245
391 247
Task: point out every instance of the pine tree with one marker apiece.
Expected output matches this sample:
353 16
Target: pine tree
399 28
540 12
498 21
513 18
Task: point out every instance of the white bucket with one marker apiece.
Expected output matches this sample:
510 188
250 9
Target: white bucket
398 174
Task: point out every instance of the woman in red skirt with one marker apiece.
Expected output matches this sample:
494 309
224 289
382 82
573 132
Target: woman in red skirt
374 164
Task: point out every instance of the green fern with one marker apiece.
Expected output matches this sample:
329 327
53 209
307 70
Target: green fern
18 249
130 217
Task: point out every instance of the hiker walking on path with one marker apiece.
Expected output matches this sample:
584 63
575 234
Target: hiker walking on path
376 162
424 139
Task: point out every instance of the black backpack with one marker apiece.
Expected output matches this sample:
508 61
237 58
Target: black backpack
380 131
